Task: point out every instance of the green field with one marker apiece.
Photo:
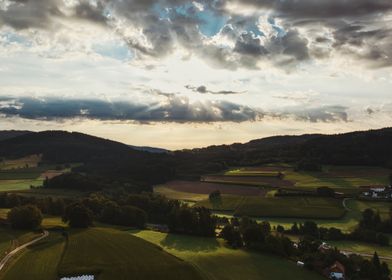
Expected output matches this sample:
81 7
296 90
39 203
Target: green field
288 207
107 253
218 262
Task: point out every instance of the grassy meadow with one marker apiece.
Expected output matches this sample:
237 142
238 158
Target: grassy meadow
218 262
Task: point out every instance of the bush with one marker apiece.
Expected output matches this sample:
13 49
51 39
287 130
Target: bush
25 217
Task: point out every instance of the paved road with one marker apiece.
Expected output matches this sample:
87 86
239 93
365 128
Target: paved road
4 261
365 255
345 205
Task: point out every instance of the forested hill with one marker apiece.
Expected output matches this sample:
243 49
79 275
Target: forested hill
373 147
99 157
6 134
117 161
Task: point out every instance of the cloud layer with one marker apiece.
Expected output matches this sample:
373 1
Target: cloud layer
282 33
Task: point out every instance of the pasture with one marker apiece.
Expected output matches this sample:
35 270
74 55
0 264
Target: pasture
218 262
284 207
256 181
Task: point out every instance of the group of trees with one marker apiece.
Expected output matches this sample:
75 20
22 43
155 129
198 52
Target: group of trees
118 208
259 237
361 233
25 217
372 228
195 221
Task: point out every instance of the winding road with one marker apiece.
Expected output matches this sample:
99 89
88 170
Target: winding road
4 261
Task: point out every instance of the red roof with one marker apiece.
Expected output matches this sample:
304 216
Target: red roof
337 267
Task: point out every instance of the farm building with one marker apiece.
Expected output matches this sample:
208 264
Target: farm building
378 192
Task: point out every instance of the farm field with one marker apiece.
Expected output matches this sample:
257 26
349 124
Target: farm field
288 207
341 178
218 262
252 180
116 255
29 161
196 191
347 223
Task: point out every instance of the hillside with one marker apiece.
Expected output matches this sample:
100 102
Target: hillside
109 159
356 148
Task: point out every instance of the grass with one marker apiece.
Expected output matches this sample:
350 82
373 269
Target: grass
39 261
18 185
218 262
105 252
288 207
9 239
116 255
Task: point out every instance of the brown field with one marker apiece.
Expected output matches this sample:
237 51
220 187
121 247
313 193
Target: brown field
253 180
51 174
206 188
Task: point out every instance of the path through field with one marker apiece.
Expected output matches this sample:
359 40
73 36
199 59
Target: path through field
4 261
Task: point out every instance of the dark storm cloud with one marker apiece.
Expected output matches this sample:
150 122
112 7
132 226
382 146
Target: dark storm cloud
22 14
173 109
323 8
203 89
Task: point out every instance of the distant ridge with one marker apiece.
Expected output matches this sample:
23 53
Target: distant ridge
7 134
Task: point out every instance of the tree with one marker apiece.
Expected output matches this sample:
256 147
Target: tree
78 216
280 229
325 191
132 216
25 217
215 196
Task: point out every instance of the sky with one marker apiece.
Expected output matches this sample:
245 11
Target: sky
181 74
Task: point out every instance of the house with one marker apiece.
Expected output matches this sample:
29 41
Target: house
300 264
336 271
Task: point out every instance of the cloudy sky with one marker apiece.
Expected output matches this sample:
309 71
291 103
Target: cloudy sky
180 74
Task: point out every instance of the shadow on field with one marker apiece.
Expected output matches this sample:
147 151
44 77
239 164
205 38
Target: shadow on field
190 243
